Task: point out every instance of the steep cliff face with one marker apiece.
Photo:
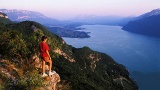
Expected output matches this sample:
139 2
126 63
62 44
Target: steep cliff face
78 68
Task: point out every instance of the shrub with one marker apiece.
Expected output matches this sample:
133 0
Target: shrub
29 81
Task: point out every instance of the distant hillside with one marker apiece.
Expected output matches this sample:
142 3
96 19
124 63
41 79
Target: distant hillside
23 15
67 30
151 13
146 24
103 20
79 68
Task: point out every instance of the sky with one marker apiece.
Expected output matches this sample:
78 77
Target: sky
67 9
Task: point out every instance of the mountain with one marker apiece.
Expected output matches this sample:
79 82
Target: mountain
146 24
79 68
68 27
23 15
4 18
151 13
102 20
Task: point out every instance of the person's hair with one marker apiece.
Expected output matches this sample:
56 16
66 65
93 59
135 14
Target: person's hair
43 38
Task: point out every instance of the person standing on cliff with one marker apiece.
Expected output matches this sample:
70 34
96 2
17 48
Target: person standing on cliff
44 53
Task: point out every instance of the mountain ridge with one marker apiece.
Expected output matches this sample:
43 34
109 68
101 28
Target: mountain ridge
23 15
68 28
146 24
151 13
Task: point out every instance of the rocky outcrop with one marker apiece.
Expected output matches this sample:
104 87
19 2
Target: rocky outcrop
17 75
60 52
50 82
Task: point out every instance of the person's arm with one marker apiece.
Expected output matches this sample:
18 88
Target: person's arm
48 54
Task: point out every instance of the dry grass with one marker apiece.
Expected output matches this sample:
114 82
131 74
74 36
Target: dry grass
10 67
20 72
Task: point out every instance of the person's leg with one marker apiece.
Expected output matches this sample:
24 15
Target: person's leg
43 66
46 59
50 68
50 65
43 69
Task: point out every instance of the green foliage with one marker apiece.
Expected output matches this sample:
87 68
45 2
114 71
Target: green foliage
3 81
21 40
82 76
4 20
64 85
29 81
13 45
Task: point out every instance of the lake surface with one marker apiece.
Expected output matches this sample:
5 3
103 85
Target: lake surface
136 52
139 53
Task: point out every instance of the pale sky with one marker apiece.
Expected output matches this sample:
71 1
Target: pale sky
64 9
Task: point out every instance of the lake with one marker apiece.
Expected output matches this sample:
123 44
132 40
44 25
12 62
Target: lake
136 52
139 53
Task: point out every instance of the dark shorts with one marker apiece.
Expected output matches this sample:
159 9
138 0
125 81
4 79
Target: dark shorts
46 59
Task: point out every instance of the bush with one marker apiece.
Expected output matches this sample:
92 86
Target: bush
29 81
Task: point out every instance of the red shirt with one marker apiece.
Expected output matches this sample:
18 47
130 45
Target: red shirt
43 48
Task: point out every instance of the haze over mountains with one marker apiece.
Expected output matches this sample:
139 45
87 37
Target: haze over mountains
22 15
146 24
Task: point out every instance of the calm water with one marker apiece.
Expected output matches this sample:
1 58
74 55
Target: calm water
136 52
